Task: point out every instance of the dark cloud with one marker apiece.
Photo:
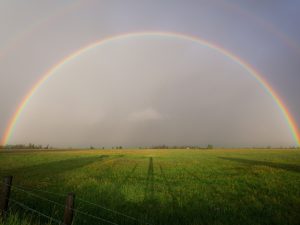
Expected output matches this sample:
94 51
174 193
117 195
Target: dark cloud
181 100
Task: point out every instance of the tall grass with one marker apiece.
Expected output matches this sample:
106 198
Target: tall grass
162 187
16 219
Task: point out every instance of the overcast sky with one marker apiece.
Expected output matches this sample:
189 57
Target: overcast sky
147 90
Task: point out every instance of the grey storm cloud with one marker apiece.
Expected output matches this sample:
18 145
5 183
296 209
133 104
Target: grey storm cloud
149 90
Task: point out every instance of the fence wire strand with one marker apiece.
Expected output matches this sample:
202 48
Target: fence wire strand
56 203
35 211
113 211
28 191
79 199
41 191
37 196
94 217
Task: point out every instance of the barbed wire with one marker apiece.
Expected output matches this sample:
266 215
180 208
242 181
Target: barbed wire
28 191
38 196
56 203
38 190
26 207
113 211
94 217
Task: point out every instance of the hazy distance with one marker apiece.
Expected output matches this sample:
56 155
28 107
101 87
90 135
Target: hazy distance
145 91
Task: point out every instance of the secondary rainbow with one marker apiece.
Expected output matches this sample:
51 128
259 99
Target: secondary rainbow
251 70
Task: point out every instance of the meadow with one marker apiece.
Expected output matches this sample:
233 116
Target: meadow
158 187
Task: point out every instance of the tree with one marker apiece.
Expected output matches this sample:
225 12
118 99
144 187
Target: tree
210 146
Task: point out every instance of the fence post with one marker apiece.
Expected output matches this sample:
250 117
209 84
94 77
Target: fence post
7 181
69 213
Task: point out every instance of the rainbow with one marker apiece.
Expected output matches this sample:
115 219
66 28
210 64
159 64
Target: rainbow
250 69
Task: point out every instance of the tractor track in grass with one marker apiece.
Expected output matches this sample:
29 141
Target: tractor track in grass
175 202
149 190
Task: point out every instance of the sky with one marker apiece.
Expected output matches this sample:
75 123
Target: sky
150 89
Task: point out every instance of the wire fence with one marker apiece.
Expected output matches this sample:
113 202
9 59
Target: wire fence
27 208
35 194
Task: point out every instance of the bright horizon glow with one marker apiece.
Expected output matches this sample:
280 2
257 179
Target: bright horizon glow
250 69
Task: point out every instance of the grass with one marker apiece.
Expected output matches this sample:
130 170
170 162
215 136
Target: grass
16 219
184 187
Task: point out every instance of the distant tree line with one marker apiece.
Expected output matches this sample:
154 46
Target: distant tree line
158 147
24 146
281 147
181 147
209 146
114 147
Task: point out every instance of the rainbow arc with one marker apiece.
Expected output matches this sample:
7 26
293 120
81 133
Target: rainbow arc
250 69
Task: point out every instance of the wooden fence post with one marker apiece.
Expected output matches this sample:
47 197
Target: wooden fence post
69 213
7 181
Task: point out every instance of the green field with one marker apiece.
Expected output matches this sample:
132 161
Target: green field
166 187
